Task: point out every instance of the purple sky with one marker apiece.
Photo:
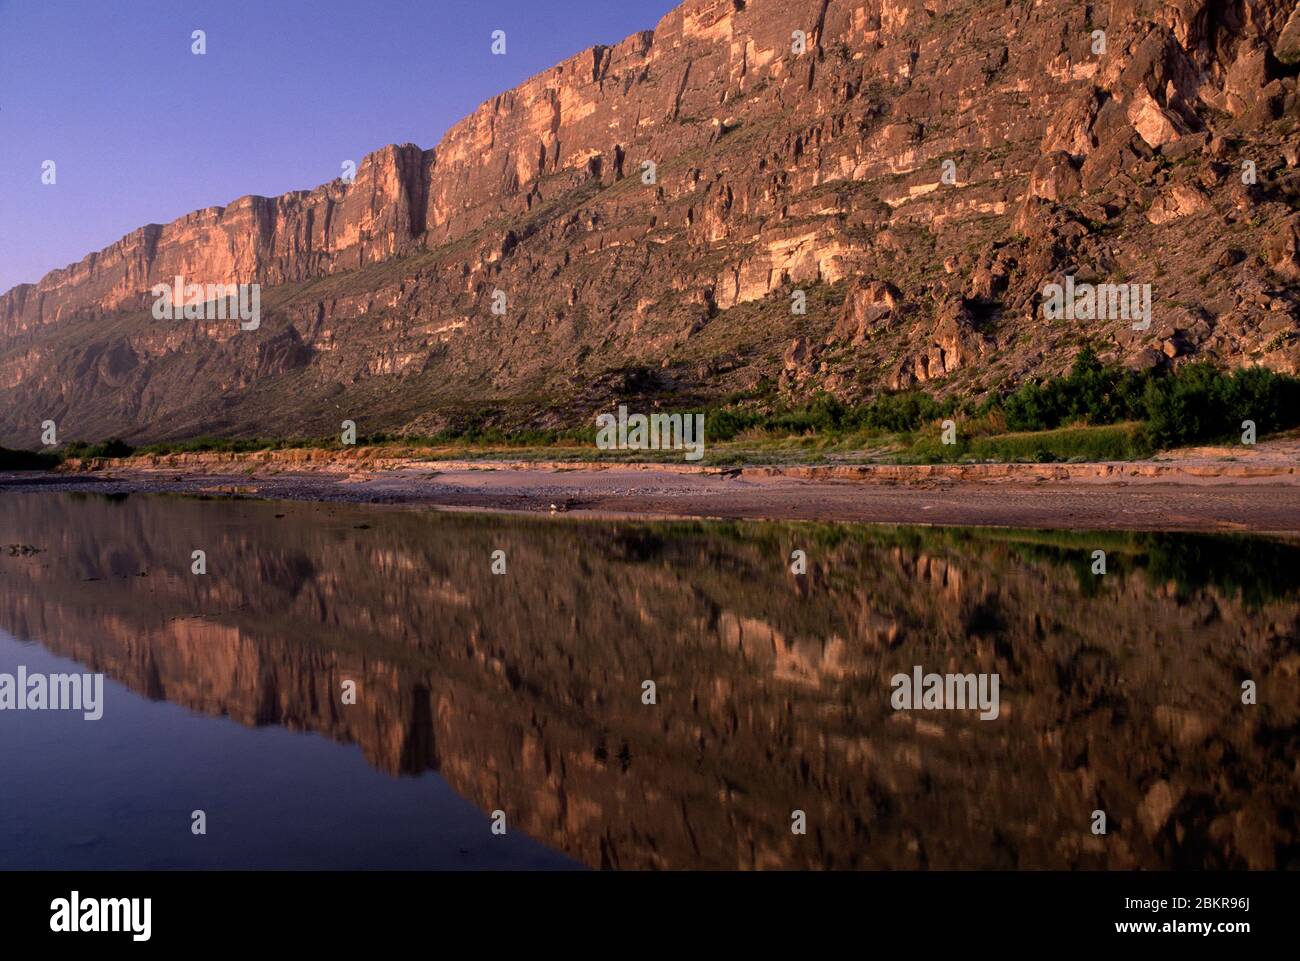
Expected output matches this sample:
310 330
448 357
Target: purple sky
142 131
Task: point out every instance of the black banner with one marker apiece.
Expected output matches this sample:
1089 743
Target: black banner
329 910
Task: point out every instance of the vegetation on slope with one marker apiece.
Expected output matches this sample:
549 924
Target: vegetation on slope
1094 412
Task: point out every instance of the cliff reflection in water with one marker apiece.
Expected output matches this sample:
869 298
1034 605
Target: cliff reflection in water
1120 693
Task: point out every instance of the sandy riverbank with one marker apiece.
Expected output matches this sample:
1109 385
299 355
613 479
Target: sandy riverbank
1195 489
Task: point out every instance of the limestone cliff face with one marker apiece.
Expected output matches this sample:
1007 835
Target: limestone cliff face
525 691
255 239
814 161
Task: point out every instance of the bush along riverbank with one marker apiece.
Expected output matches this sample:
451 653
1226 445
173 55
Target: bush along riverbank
1092 413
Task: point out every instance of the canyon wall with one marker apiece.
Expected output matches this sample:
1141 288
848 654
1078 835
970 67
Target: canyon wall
959 155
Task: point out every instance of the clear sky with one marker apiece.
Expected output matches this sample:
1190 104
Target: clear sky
143 131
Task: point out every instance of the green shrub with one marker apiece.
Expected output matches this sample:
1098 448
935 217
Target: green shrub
1198 402
897 413
115 447
27 460
1204 403
825 414
1090 393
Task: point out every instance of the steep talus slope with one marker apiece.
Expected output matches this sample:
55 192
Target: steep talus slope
775 172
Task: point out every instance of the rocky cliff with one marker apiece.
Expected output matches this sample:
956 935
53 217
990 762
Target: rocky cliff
642 217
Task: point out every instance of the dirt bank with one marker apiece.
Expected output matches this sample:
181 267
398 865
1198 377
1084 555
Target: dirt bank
1196 489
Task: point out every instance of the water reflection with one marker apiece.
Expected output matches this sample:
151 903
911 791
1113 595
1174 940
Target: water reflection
1119 693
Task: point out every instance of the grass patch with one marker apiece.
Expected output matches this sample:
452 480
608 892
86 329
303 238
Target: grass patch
1126 441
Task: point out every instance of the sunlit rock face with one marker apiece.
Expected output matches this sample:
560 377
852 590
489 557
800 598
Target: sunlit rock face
1120 693
655 204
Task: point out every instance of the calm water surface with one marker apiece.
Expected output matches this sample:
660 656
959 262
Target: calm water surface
522 692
